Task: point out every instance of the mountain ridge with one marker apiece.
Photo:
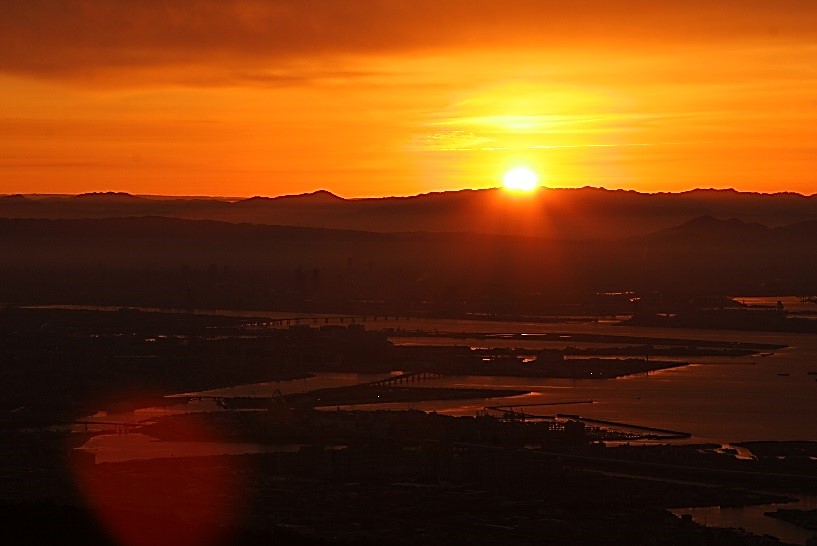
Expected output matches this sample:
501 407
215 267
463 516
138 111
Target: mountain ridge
571 213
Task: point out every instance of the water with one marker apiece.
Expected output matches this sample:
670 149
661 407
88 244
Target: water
717 400
706 400
751 518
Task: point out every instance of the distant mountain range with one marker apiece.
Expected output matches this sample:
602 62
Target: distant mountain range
568 214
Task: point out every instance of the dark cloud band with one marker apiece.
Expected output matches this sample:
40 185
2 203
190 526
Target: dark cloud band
53 38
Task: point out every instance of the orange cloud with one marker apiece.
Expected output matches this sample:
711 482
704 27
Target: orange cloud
233 39
249 97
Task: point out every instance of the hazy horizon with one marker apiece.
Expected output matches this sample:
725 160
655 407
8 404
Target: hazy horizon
321 190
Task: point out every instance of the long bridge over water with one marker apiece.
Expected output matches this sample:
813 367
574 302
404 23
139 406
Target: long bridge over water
402 379
316 320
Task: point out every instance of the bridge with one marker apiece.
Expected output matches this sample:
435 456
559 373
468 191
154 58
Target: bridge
334 319
121 427
511 411
403 379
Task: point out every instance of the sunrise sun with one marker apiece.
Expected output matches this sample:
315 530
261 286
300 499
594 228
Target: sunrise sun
520 179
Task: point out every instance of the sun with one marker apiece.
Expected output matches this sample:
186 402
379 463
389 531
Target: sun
520 179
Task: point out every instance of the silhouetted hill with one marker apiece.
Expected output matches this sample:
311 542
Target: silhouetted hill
319 196
708 229
109 197
577 214
710 232
16 198
800 233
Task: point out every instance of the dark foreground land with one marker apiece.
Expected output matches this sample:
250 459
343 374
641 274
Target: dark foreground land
377 490
337 477
804 518
298 511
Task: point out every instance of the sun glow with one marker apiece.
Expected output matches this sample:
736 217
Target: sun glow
520 179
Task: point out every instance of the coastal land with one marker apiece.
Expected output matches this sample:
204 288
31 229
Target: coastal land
508 473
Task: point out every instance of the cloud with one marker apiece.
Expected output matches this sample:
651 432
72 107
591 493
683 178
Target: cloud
450 141
86 38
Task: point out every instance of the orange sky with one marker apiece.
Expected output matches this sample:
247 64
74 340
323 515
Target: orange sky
387 97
